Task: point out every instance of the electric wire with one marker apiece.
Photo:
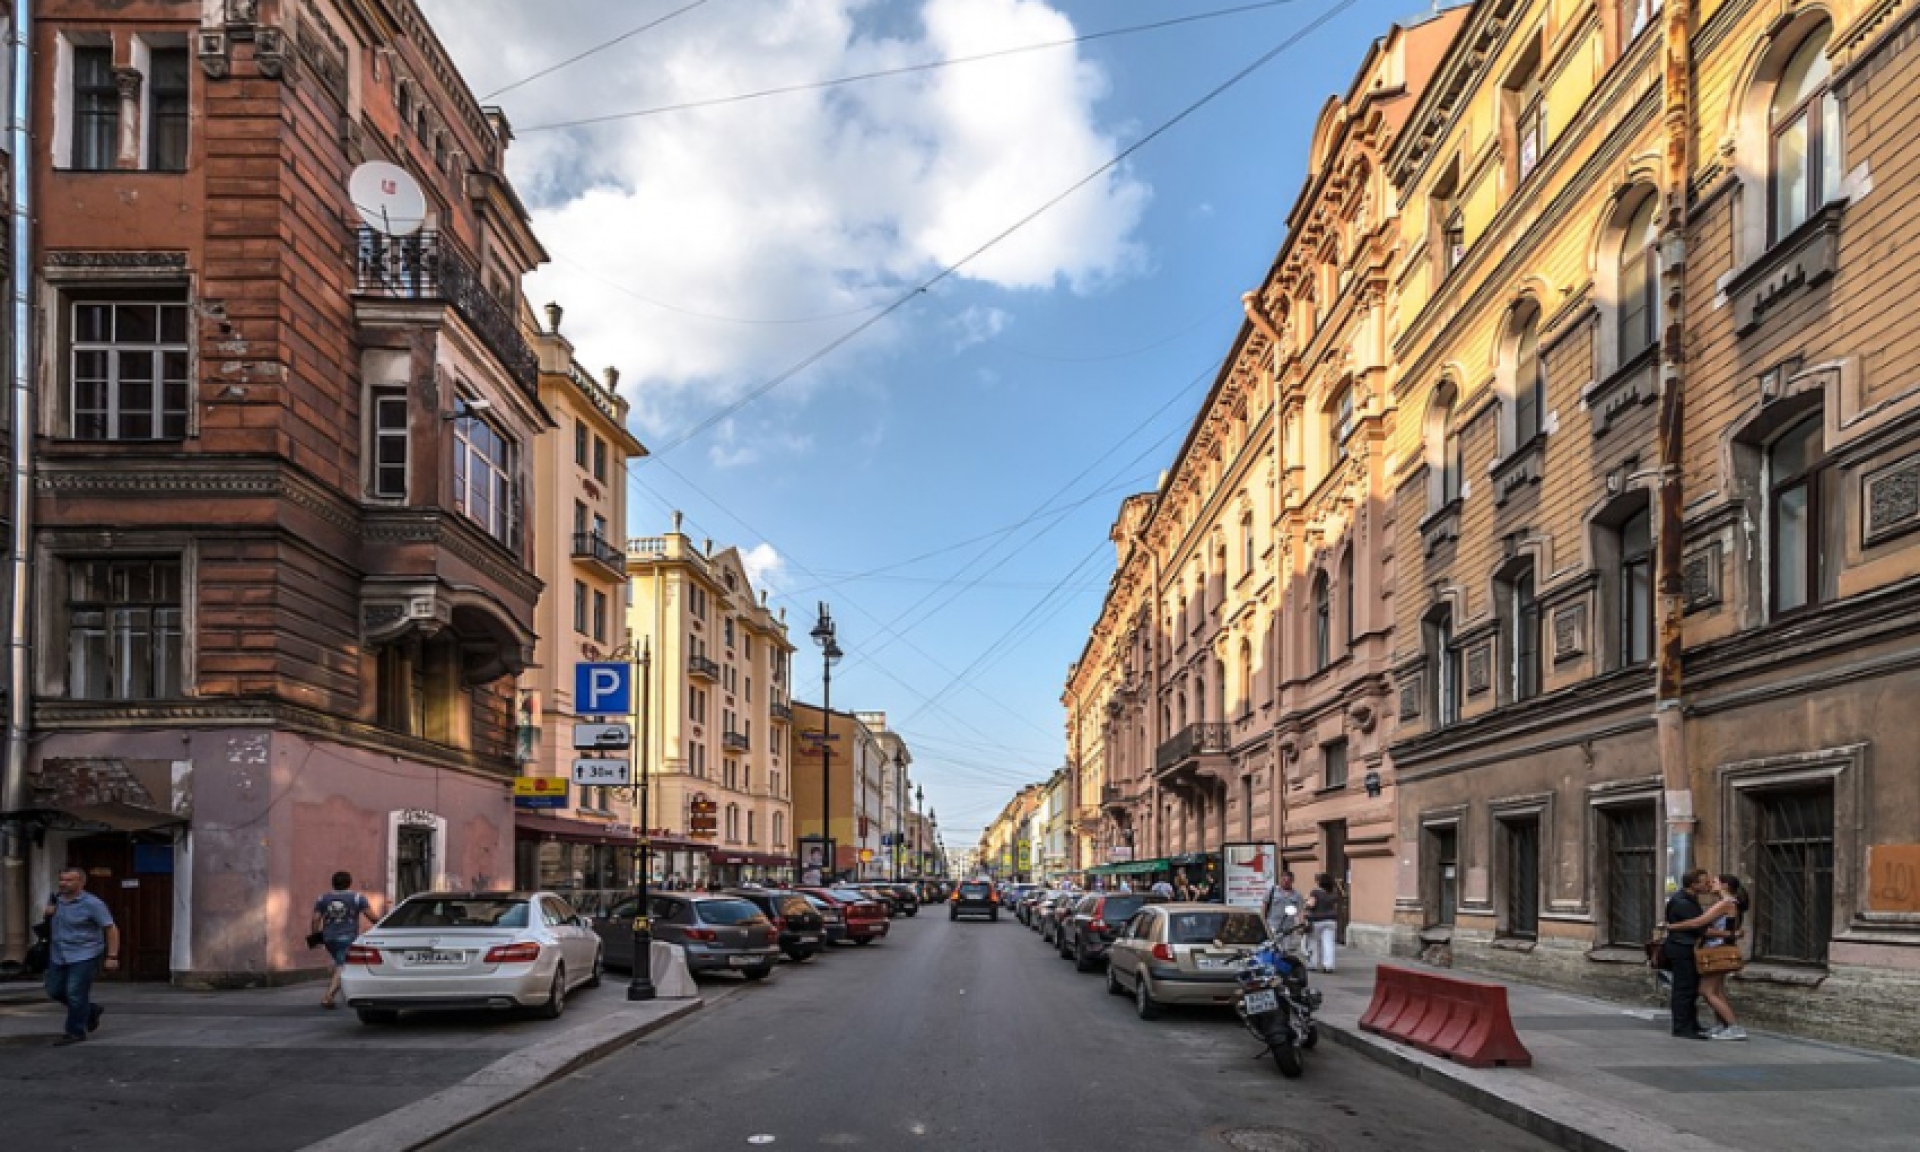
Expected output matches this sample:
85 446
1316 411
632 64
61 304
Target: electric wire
596 49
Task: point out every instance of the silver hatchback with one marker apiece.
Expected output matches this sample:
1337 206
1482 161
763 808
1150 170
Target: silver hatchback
442 950
1182 954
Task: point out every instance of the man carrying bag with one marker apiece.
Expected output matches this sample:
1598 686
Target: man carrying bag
1685 920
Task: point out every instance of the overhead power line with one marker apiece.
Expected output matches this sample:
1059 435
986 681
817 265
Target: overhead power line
596 49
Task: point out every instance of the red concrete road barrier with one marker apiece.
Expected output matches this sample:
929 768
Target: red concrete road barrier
1464 1021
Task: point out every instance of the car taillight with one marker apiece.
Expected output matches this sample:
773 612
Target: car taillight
779 923
356 954
705 935
954 899
1163 953
1096 925
994 896
525 952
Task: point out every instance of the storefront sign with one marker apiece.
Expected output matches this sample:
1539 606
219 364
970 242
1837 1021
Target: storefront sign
540 786
1249 870
1120 853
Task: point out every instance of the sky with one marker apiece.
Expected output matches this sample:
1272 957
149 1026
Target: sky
907 340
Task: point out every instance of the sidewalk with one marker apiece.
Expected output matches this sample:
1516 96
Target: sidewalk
265 1070
1608 1077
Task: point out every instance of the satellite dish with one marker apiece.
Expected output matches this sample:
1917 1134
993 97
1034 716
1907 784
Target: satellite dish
388 198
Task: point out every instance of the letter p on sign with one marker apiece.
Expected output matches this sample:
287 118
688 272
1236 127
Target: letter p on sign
601 690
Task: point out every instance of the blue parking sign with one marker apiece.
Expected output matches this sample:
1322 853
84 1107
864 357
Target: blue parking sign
601 690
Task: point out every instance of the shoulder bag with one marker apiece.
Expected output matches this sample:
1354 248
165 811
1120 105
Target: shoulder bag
1714 958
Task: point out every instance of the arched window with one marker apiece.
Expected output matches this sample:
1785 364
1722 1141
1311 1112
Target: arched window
1803 127
1246 544
1347 597
1529 379
1639 280
1451 469
1246 676
1339 417
1322 622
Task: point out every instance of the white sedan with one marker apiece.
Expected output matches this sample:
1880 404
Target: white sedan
441 950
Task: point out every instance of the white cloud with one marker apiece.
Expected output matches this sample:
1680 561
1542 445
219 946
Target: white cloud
765 567
801 212
979 324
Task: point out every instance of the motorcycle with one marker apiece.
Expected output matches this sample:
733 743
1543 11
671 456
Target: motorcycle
1274 1002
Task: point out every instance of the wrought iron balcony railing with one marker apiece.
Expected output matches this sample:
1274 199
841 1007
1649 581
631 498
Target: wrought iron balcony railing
1191 741
703 666
781 712
734 741
593 546
425 266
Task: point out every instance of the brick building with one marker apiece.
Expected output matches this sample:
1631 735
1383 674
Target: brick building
282 575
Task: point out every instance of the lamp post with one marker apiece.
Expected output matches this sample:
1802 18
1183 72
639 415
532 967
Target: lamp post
823 635
640 658
899 807
919 848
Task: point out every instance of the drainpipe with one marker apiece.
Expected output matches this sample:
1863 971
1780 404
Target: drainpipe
1278 774
13 773
1669 713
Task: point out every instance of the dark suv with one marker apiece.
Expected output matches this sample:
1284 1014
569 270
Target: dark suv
1085 935
802 931
973 898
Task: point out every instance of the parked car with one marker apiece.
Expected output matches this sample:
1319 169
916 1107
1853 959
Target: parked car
719 933
1057 913
907 900
1041 917
883 894
973 898
1087 933
441 950
799 924
866 917
1019 896
833 918
1182 954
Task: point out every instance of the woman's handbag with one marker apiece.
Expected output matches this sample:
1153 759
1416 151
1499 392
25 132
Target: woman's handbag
1657 952
1710 959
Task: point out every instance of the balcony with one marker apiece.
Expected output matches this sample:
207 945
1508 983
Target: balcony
780 712
1112 799
594 549
735 742
426 267
1196 750
703 667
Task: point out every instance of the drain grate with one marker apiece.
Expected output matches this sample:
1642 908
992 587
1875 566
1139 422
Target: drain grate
1273 1140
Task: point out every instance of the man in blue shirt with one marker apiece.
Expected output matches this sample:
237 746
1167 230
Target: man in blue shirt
83 933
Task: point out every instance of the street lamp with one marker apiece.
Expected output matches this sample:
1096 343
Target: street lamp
823 635
919 848
899 805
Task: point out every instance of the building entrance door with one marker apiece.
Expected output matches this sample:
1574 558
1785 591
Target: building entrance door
1334 837
134 878
413 862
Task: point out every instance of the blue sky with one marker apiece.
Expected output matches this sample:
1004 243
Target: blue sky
944 470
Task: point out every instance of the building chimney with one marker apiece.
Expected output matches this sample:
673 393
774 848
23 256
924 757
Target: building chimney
554 312
613 379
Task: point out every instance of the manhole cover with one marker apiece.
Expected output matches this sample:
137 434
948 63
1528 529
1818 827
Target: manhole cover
1272 1140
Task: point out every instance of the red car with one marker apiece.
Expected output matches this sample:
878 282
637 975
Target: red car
866 917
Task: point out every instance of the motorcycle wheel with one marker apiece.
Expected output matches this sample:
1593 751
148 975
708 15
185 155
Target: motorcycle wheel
1313 1036
1287 1057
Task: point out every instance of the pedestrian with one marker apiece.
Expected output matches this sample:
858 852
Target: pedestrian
1725 930
336 918
83 936
1323 916
1281 909
1125 886
1684 922
1182 889
1163 889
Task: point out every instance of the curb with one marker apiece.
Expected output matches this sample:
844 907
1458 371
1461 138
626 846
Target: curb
1574 1123
499 1084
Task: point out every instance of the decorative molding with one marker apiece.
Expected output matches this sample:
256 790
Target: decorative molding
1479 668
1890 504
1412 691
1522 468
1701 577
1569 632
1441 527
1635 385
210 45
270 53
1808 257
172 261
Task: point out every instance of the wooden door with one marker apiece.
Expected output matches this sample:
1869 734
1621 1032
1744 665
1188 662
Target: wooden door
135 880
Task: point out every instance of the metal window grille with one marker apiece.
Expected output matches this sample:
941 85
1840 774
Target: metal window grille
1793 917
1632 872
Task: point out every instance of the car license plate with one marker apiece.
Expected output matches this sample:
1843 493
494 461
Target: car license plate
1263 1001
742 961
426 959
1216 961
809 939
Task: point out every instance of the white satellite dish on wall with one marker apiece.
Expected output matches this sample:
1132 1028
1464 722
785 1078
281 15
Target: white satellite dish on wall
388 198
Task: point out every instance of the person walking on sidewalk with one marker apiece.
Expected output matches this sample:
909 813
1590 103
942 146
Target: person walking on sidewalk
83 937
1685 922
336 916
1725 930
1282 911
1323 914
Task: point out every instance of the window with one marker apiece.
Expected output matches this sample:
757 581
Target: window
580 443
390 444
1639 14
726 631
1636 589
1443 667
1527 106
129 370
599 527
1529 381
1453 240
599 459
1803 124
1629 839
1446 224
484 488
1443 844
751 838
1246 677
1520 874
1339 424
1793 919
1523 643
599 615
579 518
1333 764
1322 622
96 110
580 607
1246 544
779 830
1793 519
1448 464
1347 597
167 97
124 629
1639 281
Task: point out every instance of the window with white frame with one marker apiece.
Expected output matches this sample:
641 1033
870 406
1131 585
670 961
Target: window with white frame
1803 126
1638 280
128 367
96 109
390 443
484 486
125 633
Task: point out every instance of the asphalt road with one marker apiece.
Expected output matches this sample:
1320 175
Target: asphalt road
970 1035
